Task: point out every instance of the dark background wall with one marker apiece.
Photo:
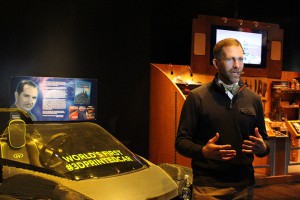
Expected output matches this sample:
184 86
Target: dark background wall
115 42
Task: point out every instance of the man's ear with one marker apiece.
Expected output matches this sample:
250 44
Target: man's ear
215 63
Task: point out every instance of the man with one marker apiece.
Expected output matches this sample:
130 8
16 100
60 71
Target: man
222 129
25 98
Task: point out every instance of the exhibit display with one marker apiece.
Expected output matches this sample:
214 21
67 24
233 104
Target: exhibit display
55 98
78 160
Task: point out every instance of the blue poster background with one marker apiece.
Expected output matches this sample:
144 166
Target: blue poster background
62 99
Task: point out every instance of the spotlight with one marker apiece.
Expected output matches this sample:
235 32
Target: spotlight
225 20
171 69
255 23
240 22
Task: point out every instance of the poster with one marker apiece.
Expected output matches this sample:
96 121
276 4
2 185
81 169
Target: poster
55 98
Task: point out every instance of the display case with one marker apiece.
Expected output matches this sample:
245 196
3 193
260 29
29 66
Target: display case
284 104
285 101
294 128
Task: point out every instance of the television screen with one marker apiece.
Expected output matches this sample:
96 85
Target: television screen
254 42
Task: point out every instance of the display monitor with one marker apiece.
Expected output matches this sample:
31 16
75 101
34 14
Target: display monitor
254 42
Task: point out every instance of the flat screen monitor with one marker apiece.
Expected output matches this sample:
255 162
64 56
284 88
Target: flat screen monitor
254 42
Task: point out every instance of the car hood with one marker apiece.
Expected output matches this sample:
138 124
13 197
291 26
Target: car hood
151 183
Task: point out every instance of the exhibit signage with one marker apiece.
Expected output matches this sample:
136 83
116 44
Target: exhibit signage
55 98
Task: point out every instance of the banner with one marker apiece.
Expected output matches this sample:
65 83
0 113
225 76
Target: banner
55 98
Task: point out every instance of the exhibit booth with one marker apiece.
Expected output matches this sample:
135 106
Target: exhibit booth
279 91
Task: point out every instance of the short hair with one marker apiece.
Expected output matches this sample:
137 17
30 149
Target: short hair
21 84
218 49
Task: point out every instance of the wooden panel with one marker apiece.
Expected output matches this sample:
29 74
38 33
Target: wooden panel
166 101
199 44
275 50
274 65
161 117
259 162
280 156
199 63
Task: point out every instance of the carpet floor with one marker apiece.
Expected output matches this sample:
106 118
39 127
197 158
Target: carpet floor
286 191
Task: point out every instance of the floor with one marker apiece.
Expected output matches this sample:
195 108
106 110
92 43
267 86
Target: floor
284 187
279 191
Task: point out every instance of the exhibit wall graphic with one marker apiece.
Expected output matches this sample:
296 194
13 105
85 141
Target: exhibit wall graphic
56 98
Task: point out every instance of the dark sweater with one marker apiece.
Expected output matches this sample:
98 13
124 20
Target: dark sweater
208 110
15 115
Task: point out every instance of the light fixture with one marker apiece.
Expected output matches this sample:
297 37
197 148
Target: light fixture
240 22
171 68
225 20
191 73
255 23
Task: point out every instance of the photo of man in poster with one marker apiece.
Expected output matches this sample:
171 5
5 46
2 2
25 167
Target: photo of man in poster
26 95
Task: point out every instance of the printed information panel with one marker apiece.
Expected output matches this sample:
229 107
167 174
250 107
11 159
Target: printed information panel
55 98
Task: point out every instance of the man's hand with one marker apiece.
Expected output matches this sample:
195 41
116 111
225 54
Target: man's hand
255 145
218 152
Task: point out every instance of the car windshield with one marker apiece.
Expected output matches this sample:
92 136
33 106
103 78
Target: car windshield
72 150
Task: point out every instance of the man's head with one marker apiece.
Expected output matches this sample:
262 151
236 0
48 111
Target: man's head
228 60
26 95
